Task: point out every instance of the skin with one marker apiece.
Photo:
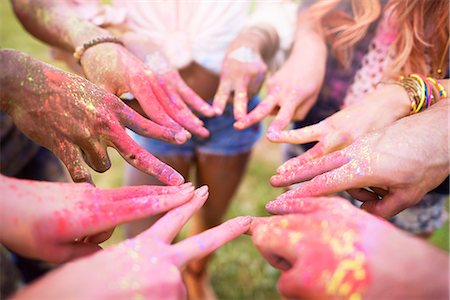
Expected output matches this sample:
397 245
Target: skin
242 78
57 222
398 165
180 94
387 104
328 249
52 22
147 266
294 88
80 119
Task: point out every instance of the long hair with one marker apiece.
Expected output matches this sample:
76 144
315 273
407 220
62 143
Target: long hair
421 44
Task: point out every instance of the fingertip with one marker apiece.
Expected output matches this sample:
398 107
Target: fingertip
175 179
202 191
273 135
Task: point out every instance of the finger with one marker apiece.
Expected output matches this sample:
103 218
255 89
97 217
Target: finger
138 157
222 95
299 136
284 116
258 113
147 128
148 93
315 152
363 195
310 169
167 227
292 206
179 111
390 205
93 217
207 242
194 100
240 101
307 205
334 181
96 156
127 192
379 191
71 156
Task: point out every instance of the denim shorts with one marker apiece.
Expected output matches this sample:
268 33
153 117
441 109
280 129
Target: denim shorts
223 140
424 217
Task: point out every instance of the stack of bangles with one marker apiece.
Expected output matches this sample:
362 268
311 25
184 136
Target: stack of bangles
422 91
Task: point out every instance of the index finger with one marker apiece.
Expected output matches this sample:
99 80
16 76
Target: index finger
298 136
284 116
240 101
261 111
167 227
138 157
207 242
222 95
96 216
337 180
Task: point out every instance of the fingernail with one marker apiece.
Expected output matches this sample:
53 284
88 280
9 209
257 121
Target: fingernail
188 190
181 137
245 220
273 135
202 191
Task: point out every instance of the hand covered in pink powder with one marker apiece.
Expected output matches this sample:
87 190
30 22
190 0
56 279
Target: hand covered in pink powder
147 266
75 119
180 95
57 222
294 88
399 164
157 91
377 110
328 249
243 72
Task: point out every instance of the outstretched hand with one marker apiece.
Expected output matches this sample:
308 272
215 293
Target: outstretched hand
146 266
77 120
398 166
57 222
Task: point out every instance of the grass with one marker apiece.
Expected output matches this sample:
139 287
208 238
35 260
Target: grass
236 265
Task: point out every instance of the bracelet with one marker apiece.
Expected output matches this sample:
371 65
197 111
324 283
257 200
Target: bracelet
79 51
422 91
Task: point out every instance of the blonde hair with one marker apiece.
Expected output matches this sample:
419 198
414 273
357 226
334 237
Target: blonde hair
422 32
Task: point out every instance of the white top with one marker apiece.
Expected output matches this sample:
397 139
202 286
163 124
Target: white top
198 30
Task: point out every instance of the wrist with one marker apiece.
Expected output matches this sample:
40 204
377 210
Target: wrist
395 98
262 39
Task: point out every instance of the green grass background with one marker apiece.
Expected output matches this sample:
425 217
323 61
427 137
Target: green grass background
237 270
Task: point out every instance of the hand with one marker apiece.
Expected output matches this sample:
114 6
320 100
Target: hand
57 222
74 119
147 266
294 88
377 110
243 73
399 165
328 249
114 68
170 80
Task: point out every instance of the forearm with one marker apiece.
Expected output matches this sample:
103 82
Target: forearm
52 22
308 31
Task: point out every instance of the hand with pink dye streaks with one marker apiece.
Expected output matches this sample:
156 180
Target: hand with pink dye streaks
147 266
57 222
294 88
379 109
77 120
399 163
180 95
244 68
328 249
